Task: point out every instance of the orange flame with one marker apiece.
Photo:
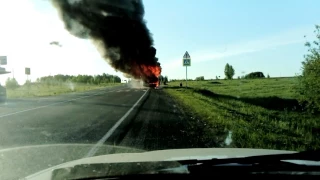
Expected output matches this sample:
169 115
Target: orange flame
148 73
151 71
155 70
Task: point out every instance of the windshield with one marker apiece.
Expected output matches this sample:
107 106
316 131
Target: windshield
82 77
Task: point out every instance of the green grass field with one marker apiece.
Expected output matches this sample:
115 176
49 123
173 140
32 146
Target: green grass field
258 113
38 90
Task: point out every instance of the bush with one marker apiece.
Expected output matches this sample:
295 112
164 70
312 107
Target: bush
200 78
254 75
12 83
309 81
28 82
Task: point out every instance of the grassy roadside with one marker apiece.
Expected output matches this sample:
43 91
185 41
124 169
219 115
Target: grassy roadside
257 113
38 90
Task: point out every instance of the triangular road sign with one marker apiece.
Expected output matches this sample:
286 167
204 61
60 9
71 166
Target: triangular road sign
186 55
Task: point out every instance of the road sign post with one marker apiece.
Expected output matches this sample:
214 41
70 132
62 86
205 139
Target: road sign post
28 72
186 76
186 62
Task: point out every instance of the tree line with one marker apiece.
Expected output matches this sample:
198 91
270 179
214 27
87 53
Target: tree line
88 79
11 83
229 73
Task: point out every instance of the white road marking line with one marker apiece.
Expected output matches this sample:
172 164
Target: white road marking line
40 107
3 104
114 127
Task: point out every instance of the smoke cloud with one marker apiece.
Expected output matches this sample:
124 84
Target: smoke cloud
118 30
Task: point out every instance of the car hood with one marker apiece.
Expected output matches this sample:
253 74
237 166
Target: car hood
129 155
19 162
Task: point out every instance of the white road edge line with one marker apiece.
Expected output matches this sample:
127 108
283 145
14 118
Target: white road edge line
114 127
39 107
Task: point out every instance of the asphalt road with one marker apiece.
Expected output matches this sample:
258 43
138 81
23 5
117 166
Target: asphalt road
133 117
73 118
37 133
142 118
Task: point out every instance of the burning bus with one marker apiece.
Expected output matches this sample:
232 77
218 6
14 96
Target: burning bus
151 84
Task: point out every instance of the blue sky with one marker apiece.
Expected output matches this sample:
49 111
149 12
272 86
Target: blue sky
250 35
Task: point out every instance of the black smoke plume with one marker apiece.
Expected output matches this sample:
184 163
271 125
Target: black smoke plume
118 30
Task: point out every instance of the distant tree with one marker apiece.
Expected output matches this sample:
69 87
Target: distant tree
226 70
229 71
268 76
309 81
217 78
165 81
12 83
238 77
200 78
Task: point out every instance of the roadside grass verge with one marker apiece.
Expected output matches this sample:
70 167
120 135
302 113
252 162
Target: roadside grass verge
281 87
263 114
39 90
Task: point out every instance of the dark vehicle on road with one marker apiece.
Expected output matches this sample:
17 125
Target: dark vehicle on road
3 94
151 84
